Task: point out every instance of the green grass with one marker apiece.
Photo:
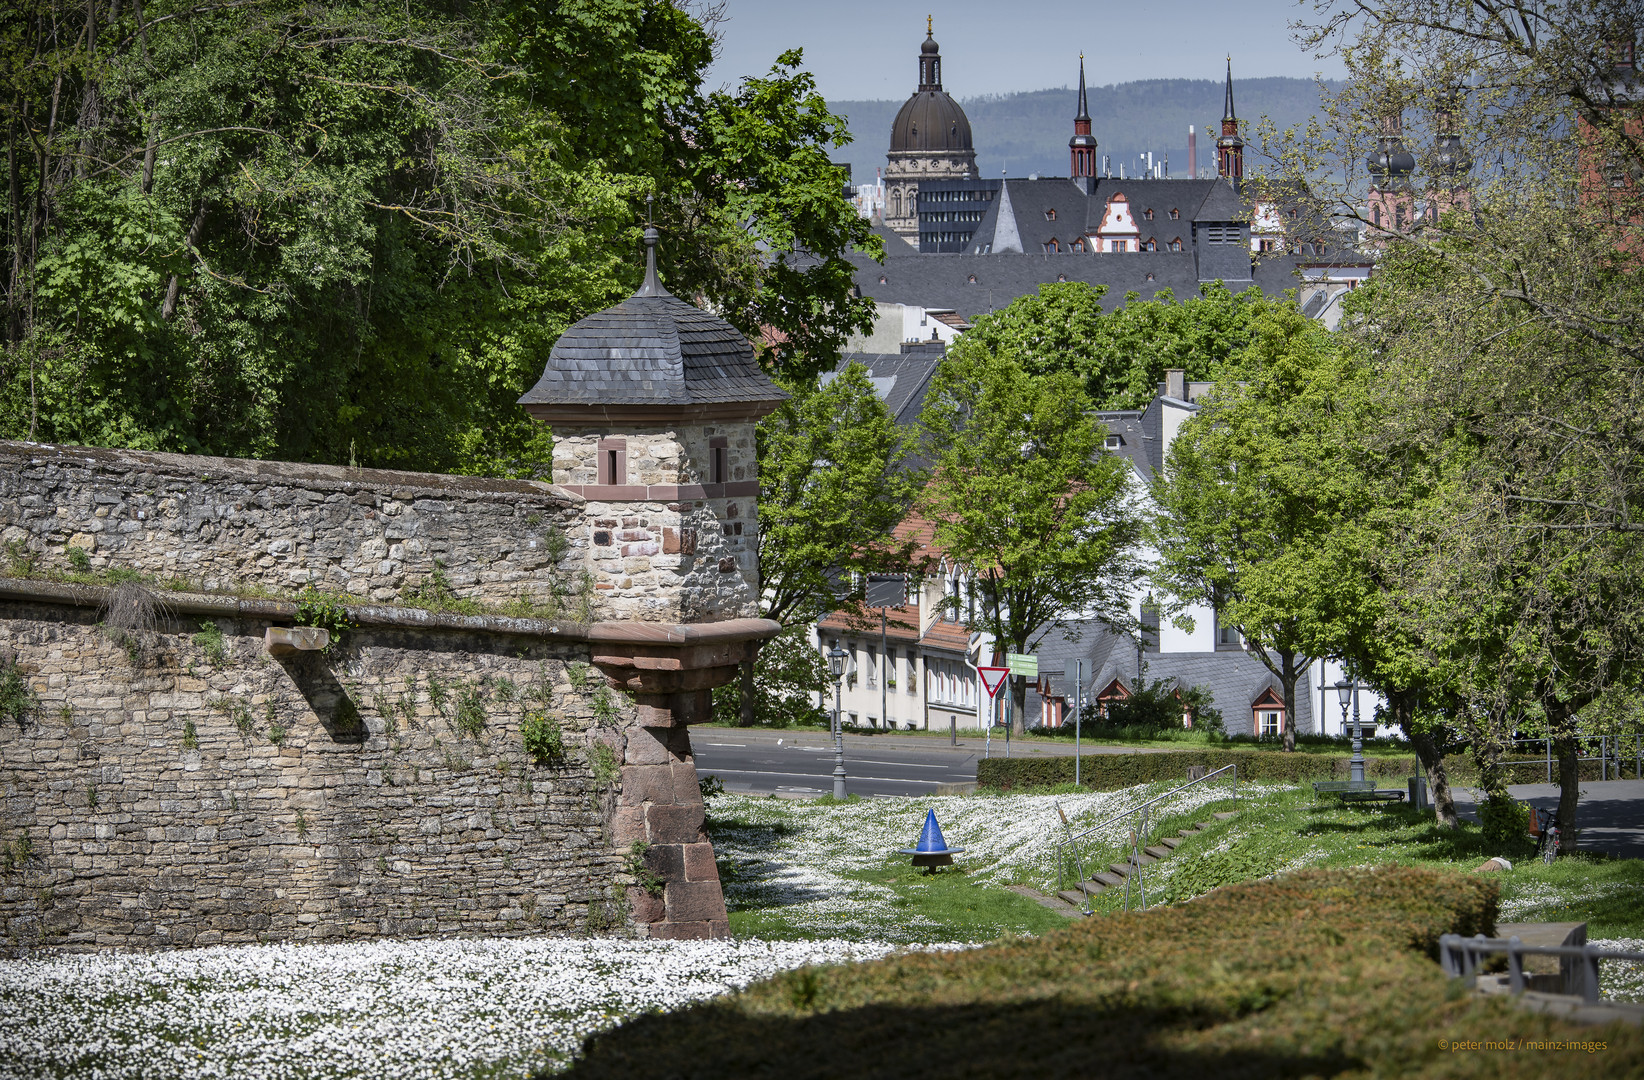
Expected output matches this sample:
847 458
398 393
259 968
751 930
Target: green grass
1284 830
964 908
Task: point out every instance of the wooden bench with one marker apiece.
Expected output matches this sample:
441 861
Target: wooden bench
1341 788
1373 795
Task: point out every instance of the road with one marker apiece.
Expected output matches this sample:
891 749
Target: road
765 761
1610 816
802 765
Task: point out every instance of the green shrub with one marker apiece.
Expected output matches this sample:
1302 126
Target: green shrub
18 701
1317 973
1506 820
1159 707
471 716
326 611
79 560
210 641
542 737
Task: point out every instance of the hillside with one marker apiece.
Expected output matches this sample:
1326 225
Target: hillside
1028 132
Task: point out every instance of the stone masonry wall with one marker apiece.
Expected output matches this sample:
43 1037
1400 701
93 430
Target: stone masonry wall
168 792
233 525
668 544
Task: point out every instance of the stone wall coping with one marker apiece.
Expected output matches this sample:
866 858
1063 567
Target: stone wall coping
319 477
613 632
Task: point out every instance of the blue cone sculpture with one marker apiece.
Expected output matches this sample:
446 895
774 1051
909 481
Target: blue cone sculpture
932 850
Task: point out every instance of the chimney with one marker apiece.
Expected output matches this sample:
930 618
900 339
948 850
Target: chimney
1192 153
1176 383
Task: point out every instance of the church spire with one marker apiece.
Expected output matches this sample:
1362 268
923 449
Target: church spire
1082 146
1230 148
930 61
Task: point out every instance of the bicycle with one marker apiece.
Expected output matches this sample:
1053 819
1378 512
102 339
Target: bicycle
1545 826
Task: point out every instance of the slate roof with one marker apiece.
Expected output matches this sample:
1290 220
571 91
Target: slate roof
653 349
1022 222
900 379
943 281
1234 679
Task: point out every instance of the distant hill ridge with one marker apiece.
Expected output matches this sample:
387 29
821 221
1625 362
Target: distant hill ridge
1027 132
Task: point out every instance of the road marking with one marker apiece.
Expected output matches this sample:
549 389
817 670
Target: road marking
774 772
724 744
898 764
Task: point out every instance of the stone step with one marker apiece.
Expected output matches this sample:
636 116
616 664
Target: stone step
1108 879
1173 842
1158 852
1122 869
1075 898
1225 814
1092 886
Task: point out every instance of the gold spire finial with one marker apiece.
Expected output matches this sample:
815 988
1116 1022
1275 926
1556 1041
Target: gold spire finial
928 30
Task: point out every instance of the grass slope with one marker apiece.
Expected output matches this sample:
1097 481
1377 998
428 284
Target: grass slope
1321 973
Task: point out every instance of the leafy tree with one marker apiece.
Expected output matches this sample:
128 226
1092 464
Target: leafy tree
788 675
1161 705
1120 355
350 231
834 482
1023 494
1252 495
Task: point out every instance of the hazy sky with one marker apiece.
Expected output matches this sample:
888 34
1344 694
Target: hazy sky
866 49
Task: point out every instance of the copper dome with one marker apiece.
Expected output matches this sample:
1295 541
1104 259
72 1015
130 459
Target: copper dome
930 121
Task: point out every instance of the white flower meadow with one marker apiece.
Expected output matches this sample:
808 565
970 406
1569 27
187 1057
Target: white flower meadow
424 1009
798 856
1621 980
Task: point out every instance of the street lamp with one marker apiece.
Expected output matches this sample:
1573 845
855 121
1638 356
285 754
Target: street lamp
836 668
1348 692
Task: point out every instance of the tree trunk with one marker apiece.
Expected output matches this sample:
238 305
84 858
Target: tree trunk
745 713
1018 703
1568 751
1288 676
1444 803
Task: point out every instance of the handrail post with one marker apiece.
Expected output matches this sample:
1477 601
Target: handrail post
1515 965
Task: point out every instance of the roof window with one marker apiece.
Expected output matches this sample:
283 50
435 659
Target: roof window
1148 213
1174 214
1050 215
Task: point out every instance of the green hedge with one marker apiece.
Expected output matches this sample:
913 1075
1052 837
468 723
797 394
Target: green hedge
1108 772
1317 973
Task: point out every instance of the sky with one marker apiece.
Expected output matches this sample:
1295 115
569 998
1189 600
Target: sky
868 49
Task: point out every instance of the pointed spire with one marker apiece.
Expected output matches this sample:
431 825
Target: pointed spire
653 284
1084 109
1227 111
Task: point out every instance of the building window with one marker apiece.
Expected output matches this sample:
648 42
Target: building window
1150 275
1174 214
972 279
1114 442
1050 215
1061 277
1270 721
1176 245
1375 215
1153 245
1148 213
719 452
1078 245
1052 247
613 462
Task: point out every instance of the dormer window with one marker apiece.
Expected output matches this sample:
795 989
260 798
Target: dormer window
1078 245
1176 244
972 279
1174 214
1050 215
881 279
1148 213
1061 277
1052 247
1114 442
1150 275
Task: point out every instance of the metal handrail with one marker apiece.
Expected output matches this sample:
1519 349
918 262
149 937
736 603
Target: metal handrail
1070 840
1166 795
1459 956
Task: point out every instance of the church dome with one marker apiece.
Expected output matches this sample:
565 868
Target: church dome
930 121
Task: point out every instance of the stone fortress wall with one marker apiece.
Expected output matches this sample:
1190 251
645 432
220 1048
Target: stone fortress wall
159 786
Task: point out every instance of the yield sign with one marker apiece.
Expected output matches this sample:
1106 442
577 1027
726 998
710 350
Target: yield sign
993 678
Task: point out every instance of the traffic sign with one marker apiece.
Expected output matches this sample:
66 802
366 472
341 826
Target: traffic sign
993 678
1023 664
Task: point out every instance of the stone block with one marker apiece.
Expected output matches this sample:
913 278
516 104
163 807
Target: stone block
674 824
646 746
699 862
647 783
667 861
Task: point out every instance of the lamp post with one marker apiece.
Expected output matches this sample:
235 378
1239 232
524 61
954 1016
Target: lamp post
1349 692
836 668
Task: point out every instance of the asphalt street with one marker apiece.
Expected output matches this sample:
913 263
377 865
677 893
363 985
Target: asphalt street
802 765
1610 816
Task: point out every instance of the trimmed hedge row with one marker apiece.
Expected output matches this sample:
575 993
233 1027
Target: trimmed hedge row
1109 772
1317 973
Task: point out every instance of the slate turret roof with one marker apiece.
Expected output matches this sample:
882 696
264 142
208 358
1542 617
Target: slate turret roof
653 355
